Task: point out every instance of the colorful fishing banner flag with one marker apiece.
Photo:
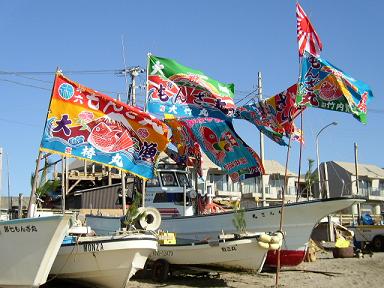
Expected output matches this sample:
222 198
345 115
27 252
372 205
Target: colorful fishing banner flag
322 85
297 134
274 116
284 109
89 125
185 92
188 149
253 114
306 35
225 148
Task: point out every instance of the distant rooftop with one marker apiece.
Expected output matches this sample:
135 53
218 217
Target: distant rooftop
367 170
274 167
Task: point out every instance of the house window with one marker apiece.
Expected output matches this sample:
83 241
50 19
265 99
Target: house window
276 181
251 185
381 185
365 187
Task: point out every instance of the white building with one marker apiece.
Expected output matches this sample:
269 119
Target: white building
342 182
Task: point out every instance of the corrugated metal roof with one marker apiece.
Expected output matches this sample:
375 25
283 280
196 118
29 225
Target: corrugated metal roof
367 170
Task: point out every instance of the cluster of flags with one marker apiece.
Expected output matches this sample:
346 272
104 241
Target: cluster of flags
322 85
198 114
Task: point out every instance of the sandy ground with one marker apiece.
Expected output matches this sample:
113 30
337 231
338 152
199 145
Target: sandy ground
326 271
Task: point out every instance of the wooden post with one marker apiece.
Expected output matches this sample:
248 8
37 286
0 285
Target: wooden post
109 176
85 168
197 192
357 184
123 193
143 192
330 225
185 199
55 171
63 181
32 198
66 175
282 211
20 212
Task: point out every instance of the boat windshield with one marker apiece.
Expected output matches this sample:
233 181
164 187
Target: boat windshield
168 179
183 179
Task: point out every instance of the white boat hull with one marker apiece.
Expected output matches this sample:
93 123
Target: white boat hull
28 248
299 220
244 253
104 261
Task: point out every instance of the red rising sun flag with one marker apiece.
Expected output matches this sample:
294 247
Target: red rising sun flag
306 35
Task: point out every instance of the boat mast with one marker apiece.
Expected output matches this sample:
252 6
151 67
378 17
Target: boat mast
32 198
282 211
260 97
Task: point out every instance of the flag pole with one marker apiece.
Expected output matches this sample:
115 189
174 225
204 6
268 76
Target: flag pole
32 197
147 84
282 211
298 191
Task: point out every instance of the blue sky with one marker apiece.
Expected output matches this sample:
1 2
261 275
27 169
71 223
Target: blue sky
229 40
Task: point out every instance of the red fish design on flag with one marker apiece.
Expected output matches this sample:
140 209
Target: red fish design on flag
110 138
218 146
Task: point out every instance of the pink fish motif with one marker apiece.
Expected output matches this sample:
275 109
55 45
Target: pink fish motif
109 140
212 143
329 91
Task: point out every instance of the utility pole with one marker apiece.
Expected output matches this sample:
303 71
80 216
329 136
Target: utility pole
357 184
1 173
9 186
260 96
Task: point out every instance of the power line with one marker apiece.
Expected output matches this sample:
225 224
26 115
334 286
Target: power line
24 84
26 77
49 89
19 123
101 71
246 96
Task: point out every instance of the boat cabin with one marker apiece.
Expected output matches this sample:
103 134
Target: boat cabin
171 192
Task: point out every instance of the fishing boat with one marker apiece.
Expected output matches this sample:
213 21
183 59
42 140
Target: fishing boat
104 261
28 247
299 217
240 251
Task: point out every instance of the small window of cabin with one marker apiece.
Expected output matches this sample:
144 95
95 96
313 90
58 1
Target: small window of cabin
160 197
183 179
168 179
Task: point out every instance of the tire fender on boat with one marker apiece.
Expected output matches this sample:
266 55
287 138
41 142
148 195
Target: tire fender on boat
151 220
